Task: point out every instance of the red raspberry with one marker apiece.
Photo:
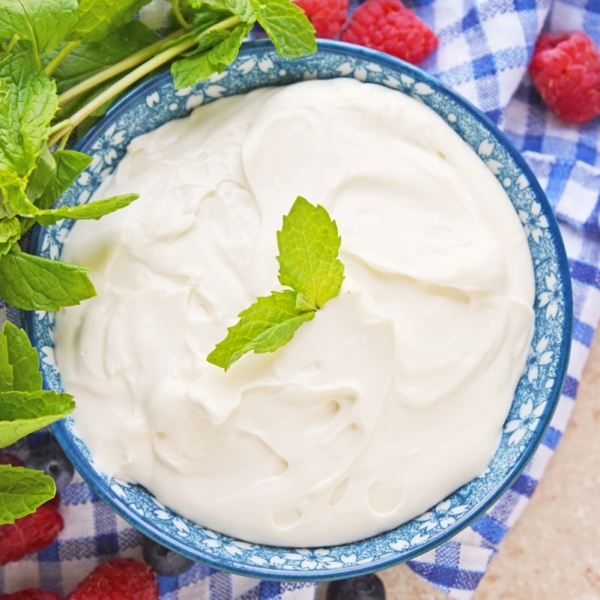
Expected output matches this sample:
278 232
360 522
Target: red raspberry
387 25
30 533
10 459
118 579
31 594
565 69
327 16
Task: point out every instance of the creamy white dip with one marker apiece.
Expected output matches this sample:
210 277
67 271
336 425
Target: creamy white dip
390 399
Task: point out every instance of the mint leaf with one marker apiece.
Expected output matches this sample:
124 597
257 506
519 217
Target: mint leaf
190 70
97 18
43 23
10 232
27 106
42 174
91 210
287 25
268 324
22 413
240 8
69 164
15 196
23 358
6 369
34 283
308 247
53 175
22 491
91 58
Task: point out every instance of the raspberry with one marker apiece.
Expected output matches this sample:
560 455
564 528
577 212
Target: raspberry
10 459
30 533
31 594
327 16
565 69
118 579
387 25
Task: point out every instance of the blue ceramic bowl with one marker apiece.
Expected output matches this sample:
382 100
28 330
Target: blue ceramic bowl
155 102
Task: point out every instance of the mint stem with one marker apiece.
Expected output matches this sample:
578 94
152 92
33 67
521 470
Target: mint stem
164 57
60 56
124 65
179 16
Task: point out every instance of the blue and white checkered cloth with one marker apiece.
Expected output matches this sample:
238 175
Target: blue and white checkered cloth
485 46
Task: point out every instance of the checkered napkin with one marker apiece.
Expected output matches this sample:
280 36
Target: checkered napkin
485 46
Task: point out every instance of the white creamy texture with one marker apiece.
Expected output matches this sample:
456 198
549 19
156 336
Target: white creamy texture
390 399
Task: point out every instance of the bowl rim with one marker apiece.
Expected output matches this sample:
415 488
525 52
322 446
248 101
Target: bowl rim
123 510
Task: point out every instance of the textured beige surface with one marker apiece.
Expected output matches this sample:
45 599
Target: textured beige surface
553 552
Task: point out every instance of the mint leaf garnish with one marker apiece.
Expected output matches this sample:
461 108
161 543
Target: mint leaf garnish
22 491
91 210
23 359
28 103
189 70
6 370
22 413
287 25
308 248
69 164
10 232
44 24
266 325
98 18
24 407
35 283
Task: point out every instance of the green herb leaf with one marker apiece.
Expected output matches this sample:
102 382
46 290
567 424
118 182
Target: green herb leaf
23 358
34 283
6 369
97 18
44 24
268 324
287 25
187 71
88 59
27 104
240 8
42 174
69 164
22 413
308 247
91 210
22 491
10 232
15 196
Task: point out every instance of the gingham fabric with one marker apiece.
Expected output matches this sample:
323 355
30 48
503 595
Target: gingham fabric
485 47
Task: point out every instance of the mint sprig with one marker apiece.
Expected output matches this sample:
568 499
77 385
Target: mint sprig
24 408
22 491
308 263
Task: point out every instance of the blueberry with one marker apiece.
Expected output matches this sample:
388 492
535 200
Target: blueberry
51 459
366 587
164 561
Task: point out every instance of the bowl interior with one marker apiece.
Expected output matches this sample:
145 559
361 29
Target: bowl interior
156 102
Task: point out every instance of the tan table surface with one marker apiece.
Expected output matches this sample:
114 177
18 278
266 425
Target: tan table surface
553 552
